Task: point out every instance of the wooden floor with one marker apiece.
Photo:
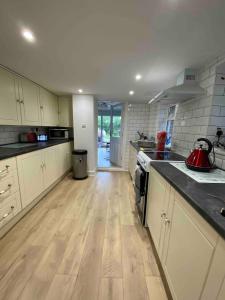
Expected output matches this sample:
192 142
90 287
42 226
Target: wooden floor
83 241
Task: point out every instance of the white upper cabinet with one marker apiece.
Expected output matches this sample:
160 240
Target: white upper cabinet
23 102
9 99
30 105
65 111
49 108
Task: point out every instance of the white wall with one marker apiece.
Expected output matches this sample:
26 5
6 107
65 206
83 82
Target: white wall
85 132
137 118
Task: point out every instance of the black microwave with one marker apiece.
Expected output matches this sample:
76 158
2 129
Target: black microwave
58 133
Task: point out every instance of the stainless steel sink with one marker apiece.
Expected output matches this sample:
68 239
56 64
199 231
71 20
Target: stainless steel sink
146 144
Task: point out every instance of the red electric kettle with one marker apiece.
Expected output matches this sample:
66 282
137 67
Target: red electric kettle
199 159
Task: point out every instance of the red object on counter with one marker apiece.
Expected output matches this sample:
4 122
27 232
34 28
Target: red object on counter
161 140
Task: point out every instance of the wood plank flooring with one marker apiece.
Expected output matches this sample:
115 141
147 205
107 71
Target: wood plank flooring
83 241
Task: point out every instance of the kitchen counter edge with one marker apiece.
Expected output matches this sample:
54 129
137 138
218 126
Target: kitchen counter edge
9 152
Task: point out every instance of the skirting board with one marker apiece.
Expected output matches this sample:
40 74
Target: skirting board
92 173
23 212
112 169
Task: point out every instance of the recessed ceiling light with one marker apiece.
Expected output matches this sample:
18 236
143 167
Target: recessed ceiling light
80 91
131 93
28 35
138 77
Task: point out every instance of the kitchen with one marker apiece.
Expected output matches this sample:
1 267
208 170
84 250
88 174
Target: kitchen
152 228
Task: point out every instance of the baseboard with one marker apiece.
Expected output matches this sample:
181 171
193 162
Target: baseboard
92 173
24 211
111 169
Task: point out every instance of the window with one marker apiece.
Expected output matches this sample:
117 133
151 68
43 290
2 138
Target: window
170 124
116 125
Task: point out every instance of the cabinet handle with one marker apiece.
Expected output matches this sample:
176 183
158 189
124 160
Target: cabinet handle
167 221
18 100
163 215
4 170
21 102
6 190
7 214
41 107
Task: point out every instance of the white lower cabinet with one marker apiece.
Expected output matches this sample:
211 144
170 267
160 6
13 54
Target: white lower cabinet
132 161
63 158
10 203
215 284
49 156
156 208
188 256
30 170
10 208
39 169
185 243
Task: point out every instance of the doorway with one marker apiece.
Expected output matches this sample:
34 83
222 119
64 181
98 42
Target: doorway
110 135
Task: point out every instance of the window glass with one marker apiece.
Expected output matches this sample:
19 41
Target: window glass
116 125
106 129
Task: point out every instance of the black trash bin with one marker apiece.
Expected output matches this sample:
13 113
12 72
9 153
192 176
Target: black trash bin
79 158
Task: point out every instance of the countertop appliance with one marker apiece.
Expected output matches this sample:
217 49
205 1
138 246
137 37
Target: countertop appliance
144 160
28 137
58 133
199 159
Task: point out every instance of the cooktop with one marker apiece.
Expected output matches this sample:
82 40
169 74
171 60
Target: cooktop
164 155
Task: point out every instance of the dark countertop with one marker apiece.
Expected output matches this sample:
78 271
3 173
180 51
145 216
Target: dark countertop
9 152
206 198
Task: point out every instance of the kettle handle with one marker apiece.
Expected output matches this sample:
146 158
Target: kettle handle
210 146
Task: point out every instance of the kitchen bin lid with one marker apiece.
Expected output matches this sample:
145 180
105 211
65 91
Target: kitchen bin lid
79 151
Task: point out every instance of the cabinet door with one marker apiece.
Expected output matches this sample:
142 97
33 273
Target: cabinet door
30 171
49 108
50 166
221 295
215 284
132 162
9 99
63 153
66 157
188 256
65 112
155 205
30 106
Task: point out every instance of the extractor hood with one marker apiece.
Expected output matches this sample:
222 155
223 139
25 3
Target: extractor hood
187 88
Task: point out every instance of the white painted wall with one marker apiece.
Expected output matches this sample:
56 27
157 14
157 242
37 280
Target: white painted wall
85 131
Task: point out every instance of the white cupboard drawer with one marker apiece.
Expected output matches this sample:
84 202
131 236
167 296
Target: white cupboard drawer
8 186
10 209
7 166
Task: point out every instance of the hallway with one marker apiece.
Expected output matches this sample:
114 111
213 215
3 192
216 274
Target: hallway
83 241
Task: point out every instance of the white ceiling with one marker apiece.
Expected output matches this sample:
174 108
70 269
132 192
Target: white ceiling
99 45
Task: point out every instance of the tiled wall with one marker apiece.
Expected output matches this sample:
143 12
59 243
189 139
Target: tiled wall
137 119
199 117
10 134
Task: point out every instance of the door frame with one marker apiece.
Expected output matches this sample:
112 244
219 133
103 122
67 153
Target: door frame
123 135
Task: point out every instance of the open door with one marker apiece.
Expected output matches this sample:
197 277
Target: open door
116 135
